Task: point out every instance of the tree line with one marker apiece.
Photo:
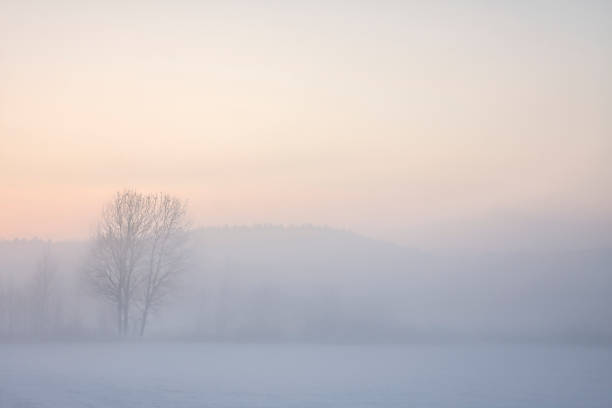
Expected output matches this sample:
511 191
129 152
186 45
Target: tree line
35 308
135 257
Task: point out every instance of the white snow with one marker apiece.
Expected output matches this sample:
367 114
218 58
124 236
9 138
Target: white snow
185 375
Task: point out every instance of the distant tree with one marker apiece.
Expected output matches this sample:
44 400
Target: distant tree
3 307
10 306
137 253
43 289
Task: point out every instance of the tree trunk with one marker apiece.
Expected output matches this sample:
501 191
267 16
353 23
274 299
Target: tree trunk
143 323
126 314
119 318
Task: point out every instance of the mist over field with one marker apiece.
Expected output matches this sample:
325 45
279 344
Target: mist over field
310 284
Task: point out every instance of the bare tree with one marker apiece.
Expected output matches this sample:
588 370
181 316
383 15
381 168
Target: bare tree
119 247
137 252
167 253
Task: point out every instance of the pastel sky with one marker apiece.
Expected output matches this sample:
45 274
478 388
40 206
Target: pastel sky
455 125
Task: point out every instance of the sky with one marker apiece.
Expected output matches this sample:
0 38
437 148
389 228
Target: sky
455 125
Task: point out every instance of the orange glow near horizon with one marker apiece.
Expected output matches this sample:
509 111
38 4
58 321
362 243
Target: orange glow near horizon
407 123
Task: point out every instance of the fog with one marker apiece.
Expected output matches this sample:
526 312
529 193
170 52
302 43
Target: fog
320 285
305 204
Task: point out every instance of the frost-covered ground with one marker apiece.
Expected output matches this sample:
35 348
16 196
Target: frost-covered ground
177 375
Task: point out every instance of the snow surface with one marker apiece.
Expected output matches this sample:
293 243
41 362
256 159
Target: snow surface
178 375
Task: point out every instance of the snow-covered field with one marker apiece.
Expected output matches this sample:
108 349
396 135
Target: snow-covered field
177 375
